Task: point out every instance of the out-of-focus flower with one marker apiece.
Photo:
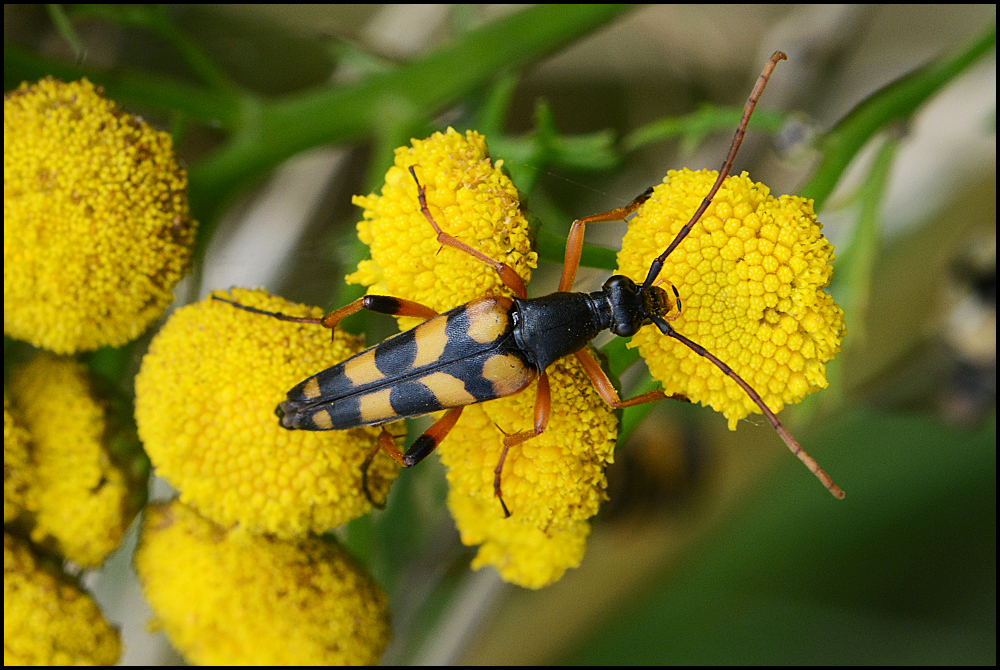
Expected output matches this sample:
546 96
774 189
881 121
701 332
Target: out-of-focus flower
47 619
96 224
82 501
229 597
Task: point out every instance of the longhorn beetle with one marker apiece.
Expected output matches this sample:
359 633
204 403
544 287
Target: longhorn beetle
496 346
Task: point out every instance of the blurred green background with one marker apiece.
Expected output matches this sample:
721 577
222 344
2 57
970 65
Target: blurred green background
716 546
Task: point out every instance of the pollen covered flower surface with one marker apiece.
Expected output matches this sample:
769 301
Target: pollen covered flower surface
82 502
230 597
552 484
469 198
47 619
97 228
205 401
750 275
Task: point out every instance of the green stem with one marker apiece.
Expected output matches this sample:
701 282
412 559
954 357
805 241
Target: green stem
272 132
858 260
156 20
204 105
696 126
897 101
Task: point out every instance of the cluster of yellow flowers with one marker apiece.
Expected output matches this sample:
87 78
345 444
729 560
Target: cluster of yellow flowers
234 569
96 235
750 276
97 231
552 483
64 493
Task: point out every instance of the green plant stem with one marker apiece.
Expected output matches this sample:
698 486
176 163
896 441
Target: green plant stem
156 20
212 107
897 101
855 267
65 27
696 126
272 132
858 259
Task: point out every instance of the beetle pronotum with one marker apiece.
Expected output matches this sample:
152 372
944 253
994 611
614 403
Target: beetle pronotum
496 346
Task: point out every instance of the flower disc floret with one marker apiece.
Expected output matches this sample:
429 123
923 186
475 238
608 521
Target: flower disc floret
552 483
230 597
750 275
82 501
205 401
469 198
97 227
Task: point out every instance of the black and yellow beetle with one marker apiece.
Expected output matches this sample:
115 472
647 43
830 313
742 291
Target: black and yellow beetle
496 346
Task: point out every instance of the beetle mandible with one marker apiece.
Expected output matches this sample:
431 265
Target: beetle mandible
496 346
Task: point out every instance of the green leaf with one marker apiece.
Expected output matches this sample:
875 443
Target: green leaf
903 570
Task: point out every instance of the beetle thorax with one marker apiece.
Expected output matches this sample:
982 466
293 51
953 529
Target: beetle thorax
629 305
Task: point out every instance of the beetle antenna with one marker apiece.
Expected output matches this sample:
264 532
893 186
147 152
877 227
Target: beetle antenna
808 460
727 165
276 315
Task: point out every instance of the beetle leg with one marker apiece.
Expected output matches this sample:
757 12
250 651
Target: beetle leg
418 451
574 242
383 304
507 275
387 444
543 403
607 390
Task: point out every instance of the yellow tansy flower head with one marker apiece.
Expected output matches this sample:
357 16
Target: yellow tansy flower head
96 224
205 400
229 597
47 619
469 198
83 502
552 484
750 275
